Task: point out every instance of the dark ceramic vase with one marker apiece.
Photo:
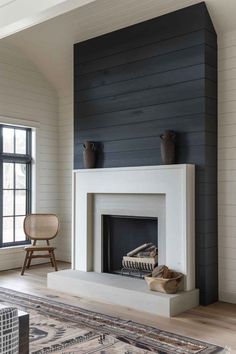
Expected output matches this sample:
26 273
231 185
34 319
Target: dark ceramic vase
168 147
89 154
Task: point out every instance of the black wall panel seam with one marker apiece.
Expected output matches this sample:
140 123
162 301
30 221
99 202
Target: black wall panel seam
140 90
199 105
160 120
92 85
145 45
137 61
140 53
204 75
78 92
208 50
144 106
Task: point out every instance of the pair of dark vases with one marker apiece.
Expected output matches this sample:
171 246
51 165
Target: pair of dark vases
167 150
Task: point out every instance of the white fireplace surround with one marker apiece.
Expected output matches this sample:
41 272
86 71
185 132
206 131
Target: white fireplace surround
165 192
172 187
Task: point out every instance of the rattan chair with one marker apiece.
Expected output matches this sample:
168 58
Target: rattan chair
40 227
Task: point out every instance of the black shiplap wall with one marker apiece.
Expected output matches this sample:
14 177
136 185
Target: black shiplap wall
132 84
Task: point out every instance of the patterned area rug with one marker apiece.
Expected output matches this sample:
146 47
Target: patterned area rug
60 328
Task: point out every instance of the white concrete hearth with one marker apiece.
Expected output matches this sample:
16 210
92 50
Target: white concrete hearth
164 192
124 291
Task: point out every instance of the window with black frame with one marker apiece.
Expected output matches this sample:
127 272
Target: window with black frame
15 181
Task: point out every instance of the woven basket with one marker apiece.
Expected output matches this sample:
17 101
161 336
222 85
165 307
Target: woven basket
162 285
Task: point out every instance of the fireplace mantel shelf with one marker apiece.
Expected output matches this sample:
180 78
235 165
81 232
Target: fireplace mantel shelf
132 168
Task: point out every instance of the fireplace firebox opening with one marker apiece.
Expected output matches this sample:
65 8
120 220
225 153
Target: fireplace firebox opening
122 234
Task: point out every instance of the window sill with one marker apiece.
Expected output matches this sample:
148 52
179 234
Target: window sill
12 249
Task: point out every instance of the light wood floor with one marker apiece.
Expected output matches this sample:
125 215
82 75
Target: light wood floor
215 323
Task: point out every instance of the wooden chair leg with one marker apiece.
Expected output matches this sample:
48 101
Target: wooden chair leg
25 262
51 259
29 259
30 255
54 261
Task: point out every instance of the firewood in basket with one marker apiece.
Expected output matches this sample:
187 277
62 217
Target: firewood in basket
162 272
167 273
139 249
158 271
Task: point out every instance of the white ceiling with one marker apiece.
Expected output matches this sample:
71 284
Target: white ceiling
50 44
17 15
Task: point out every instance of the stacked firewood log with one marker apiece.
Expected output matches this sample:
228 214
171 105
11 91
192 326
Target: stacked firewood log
142 258
162 272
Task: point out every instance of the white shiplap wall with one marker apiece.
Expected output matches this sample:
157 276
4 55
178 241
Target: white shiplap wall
227 166
25 96
65 173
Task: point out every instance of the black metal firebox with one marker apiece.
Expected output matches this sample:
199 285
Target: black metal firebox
121 234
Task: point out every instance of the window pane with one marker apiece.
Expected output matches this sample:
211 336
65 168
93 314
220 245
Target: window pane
7 230
20 203
20 175
8 197
20 141
8 140
19 230
8 175
15 183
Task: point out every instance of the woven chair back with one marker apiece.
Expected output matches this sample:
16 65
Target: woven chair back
41 226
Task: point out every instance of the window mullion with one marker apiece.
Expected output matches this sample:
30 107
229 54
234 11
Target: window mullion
16 158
